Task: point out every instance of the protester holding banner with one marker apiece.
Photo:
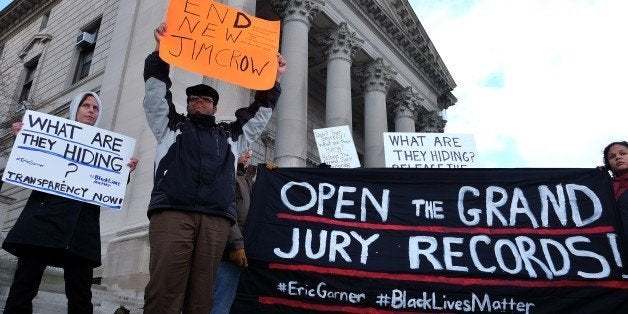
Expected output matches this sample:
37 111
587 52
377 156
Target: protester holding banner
234 257
191 206
616 160
57 231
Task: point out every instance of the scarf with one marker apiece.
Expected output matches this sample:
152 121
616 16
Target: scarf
620 185
204 120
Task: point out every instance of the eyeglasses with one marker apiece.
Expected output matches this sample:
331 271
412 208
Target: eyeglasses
206 99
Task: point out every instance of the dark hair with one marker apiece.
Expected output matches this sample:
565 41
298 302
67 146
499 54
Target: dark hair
85 97
607 164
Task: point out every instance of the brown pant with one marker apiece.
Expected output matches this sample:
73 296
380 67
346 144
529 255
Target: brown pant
185 250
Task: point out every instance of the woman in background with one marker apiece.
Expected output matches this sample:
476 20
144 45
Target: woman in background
616 160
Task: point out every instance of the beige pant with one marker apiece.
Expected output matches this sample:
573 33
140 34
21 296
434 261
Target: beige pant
185 250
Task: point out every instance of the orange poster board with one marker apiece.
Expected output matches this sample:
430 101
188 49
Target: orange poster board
219 41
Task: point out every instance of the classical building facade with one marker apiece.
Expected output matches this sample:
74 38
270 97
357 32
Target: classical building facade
368 64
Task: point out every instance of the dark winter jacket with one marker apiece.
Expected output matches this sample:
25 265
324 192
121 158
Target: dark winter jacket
622 207
620 190
244 189
196 157
51 227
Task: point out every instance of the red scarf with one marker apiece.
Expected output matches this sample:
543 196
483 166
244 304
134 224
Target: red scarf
620 185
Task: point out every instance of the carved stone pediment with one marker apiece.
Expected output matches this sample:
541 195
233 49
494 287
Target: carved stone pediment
340 42
406 102
35 46
301 10
430 122
375 75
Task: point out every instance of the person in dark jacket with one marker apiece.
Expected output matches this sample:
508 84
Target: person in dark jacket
234 257
616 160
191 208
57 231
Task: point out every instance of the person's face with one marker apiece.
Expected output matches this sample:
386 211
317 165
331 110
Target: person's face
618 159
244 158
88 111
201 105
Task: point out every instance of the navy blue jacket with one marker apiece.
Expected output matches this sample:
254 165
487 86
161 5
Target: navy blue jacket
196 157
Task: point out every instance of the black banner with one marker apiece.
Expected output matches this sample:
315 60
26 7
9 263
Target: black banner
433 240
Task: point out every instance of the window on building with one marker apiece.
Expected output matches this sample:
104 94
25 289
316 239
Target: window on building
85 43
44 21
84 63
30 67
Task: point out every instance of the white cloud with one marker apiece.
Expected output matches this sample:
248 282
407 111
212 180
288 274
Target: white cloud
563 65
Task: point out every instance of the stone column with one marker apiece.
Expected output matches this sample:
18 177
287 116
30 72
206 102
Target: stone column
341 46
268 139
430 122
291 110
406 105
124 262
377 78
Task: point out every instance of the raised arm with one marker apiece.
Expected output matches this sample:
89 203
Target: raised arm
251 121
160 112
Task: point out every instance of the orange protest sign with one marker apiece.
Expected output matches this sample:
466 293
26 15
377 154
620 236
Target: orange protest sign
217 40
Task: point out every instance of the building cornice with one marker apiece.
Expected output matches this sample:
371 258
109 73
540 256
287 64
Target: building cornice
19 11
400 24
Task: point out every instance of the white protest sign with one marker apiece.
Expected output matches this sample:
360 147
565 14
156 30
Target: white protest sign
429 150
336 147
70 159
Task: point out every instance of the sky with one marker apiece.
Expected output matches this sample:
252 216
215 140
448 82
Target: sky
4 3
540 83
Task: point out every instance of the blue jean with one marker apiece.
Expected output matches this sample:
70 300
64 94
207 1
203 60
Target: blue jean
225 287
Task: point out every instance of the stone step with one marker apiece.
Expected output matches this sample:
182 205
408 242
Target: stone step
56 303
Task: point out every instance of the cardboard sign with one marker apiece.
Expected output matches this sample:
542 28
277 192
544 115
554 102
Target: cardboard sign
336 147
429 150
433 241
70 159
219 41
